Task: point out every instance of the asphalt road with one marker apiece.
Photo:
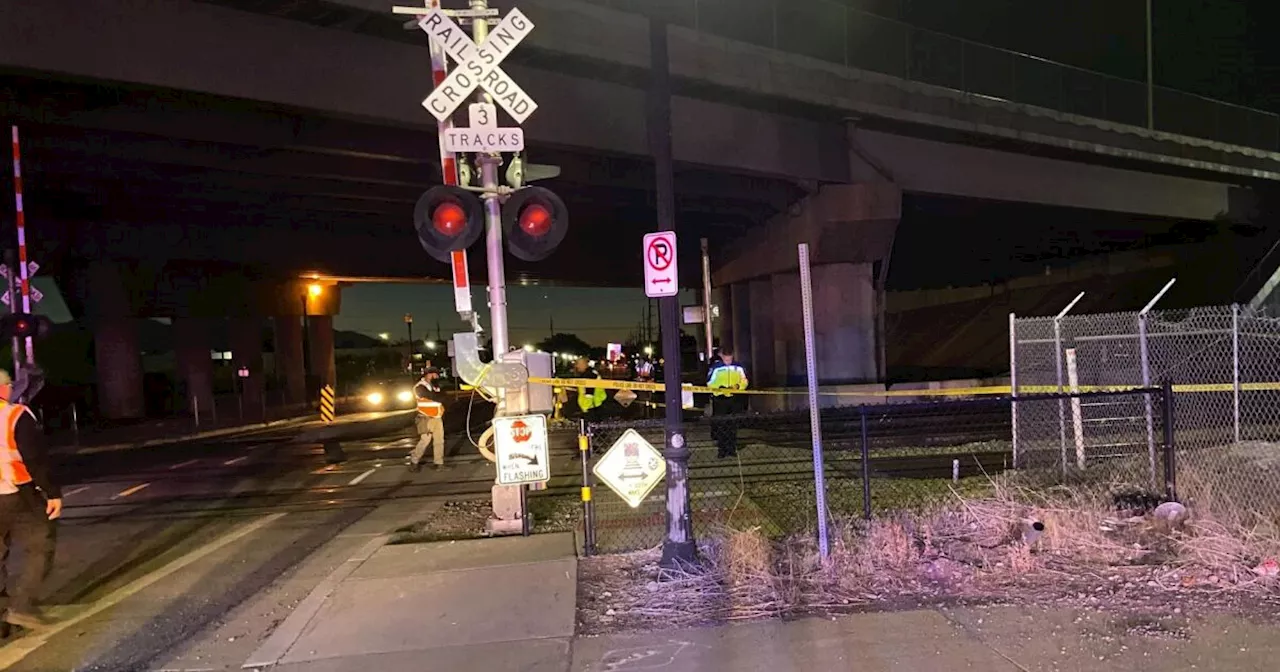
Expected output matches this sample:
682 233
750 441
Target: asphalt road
158 546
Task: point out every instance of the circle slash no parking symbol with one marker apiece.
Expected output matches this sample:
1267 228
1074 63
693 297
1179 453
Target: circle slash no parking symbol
659 254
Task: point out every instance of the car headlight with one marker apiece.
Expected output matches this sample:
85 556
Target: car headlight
374 398
405 396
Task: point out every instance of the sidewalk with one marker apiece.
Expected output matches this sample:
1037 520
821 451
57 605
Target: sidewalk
509 604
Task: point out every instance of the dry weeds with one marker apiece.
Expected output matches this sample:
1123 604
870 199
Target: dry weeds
971 551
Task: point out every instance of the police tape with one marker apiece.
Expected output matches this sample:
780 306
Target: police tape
977 391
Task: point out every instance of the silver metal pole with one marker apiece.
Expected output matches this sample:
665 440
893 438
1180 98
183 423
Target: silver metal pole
1146 382
815 416
1062 409
1144 352
1151 72
706 299
1057 362
492 218
1013 383
1235 366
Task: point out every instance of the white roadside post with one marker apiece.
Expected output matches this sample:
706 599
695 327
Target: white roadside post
815 414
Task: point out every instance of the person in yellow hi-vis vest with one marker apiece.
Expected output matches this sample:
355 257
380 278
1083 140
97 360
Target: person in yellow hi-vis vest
727 375
589 399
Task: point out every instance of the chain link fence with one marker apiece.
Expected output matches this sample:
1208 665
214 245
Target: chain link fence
756 470
1224 366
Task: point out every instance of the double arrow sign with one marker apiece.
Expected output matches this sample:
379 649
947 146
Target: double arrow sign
478 65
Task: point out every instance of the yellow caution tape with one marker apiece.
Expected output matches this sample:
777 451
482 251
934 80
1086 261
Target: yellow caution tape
988 390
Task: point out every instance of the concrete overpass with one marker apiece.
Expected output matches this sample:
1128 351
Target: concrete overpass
287 137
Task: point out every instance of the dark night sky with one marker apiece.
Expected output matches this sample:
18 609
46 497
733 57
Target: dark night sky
1219 48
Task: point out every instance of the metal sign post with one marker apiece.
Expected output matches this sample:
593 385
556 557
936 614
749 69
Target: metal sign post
678 548
815 414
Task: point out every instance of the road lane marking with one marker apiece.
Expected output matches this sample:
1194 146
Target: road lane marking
183 464
130 491
361 477
76 491
235 460
17 650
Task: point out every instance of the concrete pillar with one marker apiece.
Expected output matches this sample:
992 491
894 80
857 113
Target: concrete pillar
119 363
320 339
722 297
117 356
288 357
788 330
845 323
246 353
195 364
763 364
742 310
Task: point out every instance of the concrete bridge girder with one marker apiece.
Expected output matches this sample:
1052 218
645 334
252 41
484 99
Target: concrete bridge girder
209 48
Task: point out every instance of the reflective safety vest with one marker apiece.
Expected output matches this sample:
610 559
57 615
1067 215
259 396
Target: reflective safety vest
588 401
12 469
727 377
426 406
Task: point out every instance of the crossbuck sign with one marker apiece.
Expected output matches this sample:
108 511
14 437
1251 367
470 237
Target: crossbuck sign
478 65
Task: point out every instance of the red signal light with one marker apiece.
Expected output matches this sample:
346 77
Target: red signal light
535 220
449 219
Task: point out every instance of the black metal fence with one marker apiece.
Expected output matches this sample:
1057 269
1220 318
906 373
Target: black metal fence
757 470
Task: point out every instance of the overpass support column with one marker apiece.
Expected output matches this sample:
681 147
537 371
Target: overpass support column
323 365
788 336
742 318
723 334
288 356
845 323
117 355
246 354
850 230
761 346
195 363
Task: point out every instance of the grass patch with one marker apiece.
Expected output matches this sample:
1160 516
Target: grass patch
984 546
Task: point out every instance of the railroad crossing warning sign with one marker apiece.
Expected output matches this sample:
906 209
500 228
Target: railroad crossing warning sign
36 295
478 64
631 468
520 445
484 134
661 276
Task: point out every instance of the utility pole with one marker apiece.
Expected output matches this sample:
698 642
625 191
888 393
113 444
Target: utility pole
678 547
408 323
709 349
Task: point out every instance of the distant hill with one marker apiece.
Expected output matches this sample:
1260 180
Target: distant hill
354 340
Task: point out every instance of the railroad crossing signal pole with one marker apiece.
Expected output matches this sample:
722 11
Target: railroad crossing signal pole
678 548
448 220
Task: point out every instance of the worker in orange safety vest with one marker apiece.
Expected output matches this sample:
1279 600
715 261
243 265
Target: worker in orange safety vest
429 421
29 501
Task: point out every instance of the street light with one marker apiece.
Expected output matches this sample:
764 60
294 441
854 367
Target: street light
648 349
384 336
431 345
528 348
